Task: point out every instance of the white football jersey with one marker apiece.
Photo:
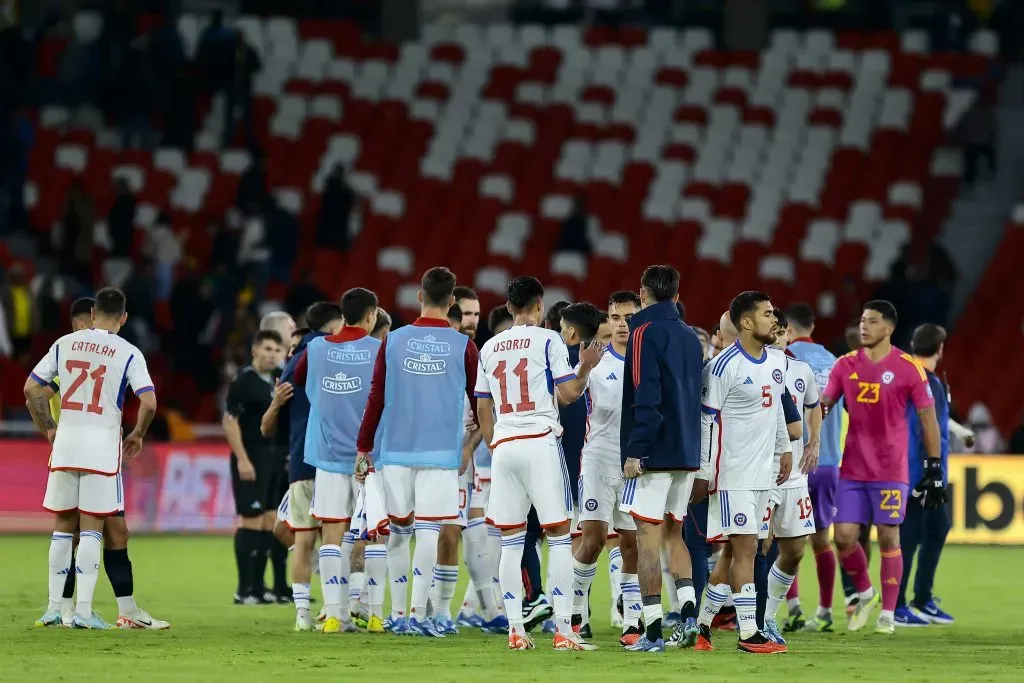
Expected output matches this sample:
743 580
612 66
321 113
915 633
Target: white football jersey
804 390
519 370
95 369
601 447
743 426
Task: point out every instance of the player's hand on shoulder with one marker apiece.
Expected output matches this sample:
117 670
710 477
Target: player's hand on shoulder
591 354
785 467
632 469
699 491
282 393
131 446
809 461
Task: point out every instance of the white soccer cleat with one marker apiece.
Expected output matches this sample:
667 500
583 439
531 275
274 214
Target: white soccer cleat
859 618
141 620
617 621
885 625
572 641
303 621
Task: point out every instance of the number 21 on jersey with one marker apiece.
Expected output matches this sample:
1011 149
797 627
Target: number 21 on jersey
501 373
80 371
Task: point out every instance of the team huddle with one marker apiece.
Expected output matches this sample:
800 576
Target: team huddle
708 463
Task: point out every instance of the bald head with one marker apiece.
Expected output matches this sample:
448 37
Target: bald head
727 330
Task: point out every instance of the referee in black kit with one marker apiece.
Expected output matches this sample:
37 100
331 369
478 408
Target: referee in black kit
257 465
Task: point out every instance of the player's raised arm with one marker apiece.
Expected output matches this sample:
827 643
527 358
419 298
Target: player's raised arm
833 390
572 383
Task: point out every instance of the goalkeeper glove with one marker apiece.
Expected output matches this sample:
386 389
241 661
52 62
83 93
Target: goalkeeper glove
931 490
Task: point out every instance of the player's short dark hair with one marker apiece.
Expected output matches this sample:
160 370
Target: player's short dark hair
356 303
662 282
927 340
498 316
523 291
585 317
82 306
301 332
800 315
321 314
267 335
624 297
883 308
455 314
553 317
780 315
463 292
383 320
110 301
744 303
438 285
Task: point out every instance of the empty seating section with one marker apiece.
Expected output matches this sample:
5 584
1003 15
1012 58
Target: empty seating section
797 169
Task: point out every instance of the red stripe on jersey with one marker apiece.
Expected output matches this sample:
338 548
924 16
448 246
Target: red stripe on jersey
638 336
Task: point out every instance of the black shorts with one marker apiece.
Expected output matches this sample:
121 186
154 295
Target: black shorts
253 498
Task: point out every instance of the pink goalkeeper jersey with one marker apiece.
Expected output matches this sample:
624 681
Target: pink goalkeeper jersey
877 396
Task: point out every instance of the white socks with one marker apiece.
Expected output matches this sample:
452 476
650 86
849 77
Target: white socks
300 596
90 547
583 577
60 564
398 557
714 597
615 573
510 577
376 564
423 560
652 613
631 599
481 573
746 610
560 579
334 578
445 578
778 585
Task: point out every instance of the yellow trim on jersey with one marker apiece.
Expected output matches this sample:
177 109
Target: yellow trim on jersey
913 361
850 354
55 403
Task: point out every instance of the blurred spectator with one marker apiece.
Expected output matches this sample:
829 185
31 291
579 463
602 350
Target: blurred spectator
16 140
133 98
252 186
333 223
121 221
282 240
139 290
179 111
18 311
253 250
212 52
163 247
574 229
72 237
195 328
244 66
977 133
224 251
987 438
166 49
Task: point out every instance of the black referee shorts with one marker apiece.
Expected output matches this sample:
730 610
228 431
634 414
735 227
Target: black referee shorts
253 498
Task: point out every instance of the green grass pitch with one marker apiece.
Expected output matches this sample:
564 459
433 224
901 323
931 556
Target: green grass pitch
189 581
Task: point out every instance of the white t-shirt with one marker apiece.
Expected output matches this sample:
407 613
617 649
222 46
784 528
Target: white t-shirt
519 370
602 447
95 369
804 390
743 427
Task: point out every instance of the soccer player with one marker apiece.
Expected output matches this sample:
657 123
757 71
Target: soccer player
925 528
455 317
116 562
84 485
660 440
335 372
469 303
604 330
423 376
879 382
256 465
601 484
519 421
744 441
383 326
282 531
821 482
324 318
790 513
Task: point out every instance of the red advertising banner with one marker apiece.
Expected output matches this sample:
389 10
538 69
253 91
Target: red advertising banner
168 488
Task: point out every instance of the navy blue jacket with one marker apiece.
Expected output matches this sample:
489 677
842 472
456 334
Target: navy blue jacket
916 450
661 391
298 416
574 428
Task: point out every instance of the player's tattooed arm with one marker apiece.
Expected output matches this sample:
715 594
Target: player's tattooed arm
38 401
469 444
48 392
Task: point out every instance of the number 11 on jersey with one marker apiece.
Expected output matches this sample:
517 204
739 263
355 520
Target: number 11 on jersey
519 371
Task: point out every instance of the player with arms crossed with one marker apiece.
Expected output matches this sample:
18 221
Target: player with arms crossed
744 441
94 367
521 369
879 382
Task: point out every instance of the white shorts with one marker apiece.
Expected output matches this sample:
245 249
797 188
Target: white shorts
736 513
94 494
527 472
300 500
600 499
653 495
334 497
282 508
790 513
481 491
432 493
465 495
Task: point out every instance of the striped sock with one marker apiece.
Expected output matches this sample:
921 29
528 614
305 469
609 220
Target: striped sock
779 583
493 558
398 568
87 565
333 580
583 577
423 560
376 564
510 578
615 573
60 567
445 578
560 579
746 610
300 595
714 597
631 602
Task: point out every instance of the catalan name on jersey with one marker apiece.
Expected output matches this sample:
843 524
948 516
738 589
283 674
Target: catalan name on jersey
743 426
604 414
519 369
803 387
95 369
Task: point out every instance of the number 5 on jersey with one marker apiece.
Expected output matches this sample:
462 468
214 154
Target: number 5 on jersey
501 374
82 370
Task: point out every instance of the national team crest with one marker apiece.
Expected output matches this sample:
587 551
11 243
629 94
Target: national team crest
741 519
888 377
591 505
800 385
777 376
